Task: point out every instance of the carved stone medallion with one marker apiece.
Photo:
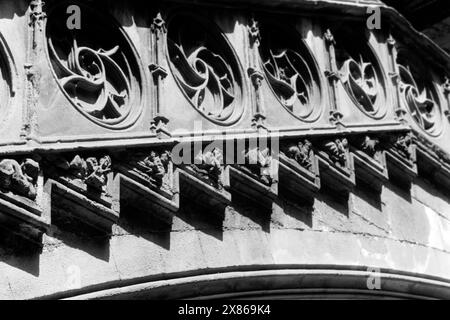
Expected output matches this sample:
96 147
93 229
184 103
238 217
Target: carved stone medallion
291 71
361 73
6 90
419 95
96 67
206 68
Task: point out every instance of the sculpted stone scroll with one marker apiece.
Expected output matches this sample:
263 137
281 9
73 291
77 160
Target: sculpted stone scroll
96 68
291 71
205 68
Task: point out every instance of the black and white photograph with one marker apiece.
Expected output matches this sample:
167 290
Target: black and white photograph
223 155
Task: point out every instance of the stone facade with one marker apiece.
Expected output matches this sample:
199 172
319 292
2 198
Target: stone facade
342 132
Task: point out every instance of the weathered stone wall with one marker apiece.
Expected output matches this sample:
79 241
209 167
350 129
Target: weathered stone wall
401 231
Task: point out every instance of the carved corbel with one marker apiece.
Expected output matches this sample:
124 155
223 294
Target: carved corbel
22 199
146 180
369 162
256 177
80 184
299 170
400 154
205 181
336 165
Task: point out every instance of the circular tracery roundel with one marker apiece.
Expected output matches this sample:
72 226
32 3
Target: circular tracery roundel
206 68
96 66
291 71
419 95
5 78
361 73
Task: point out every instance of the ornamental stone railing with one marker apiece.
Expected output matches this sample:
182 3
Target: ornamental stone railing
91 116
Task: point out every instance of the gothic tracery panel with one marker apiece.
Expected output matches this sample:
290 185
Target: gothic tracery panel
360 72
419 94
291 71
206 68
5 77
96 67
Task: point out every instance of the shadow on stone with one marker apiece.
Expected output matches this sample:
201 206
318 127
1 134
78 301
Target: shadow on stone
19 252
144 224
253 210
77 234
205 219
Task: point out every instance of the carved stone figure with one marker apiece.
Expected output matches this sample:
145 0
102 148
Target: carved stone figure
403 145
370 145
18 178
91 171
156 166
210 166
260 163
301 153
337 151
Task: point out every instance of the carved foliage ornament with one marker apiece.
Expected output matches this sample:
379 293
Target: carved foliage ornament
96 67
206 68
291 71
421 101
